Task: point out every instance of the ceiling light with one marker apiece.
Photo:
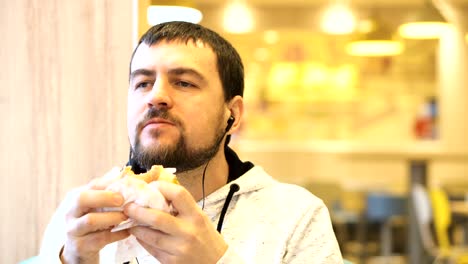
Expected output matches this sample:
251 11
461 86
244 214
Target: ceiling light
374 48
338 19
282 75
365 26
261 54
314 74
271 37
378 42
238 17
427 23
165 11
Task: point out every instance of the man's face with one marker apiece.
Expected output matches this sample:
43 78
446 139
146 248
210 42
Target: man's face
176 110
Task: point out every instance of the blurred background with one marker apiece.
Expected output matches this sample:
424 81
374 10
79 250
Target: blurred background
344 97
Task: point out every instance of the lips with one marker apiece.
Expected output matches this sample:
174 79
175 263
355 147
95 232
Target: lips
158 121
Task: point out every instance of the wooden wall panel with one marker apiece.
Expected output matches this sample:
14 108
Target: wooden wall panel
63 86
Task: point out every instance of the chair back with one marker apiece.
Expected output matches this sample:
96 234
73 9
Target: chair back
423 212
442 216
383 206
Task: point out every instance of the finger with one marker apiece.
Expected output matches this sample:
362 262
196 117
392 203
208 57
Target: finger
154 238
103 238
154 218
94 241
161 255
179 197
94 222
92 199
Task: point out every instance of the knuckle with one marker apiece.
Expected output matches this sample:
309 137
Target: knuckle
69 216
179 193
154 221
88 220
70 232
198 220
185 248
80 201
81 198
190 239
72 228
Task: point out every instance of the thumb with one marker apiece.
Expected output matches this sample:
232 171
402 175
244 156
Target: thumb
179 197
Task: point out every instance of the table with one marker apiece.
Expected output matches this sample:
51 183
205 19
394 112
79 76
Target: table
459 208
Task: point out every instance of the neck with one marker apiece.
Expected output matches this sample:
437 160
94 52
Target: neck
216 176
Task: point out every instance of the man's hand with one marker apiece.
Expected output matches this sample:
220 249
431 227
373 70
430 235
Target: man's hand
88 231
187 237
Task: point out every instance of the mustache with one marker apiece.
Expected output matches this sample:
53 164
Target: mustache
157 113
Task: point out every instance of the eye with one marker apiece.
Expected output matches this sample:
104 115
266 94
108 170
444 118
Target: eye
143 85
184 84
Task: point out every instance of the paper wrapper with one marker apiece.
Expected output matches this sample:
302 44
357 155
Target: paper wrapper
137 191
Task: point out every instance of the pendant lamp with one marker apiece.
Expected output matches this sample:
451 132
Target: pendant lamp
426 23
338 19
378 42
238 17
161 11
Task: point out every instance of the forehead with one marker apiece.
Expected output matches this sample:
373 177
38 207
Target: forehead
196 55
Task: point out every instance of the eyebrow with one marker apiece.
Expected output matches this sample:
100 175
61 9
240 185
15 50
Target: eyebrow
190 71
144 72
175 71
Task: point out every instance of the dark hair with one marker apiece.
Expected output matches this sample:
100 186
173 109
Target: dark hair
229 63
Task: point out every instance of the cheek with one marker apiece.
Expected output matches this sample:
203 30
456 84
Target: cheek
130 129
204 127
132 120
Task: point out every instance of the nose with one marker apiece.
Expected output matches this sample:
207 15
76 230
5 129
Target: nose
159 96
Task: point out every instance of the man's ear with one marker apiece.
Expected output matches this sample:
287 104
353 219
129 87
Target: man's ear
236 110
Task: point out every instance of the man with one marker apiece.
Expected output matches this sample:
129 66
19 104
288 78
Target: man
184 100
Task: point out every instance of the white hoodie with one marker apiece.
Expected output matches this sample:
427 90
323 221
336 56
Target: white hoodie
266 222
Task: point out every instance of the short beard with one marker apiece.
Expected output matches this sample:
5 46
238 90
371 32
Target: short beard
179 155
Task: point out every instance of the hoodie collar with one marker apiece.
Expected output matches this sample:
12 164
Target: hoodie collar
236 167
253 180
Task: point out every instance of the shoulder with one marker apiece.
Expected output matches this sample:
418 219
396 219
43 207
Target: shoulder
265 190
293 200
